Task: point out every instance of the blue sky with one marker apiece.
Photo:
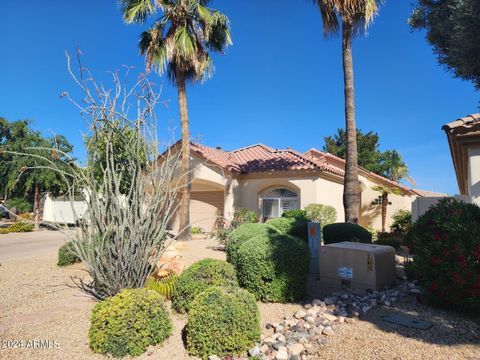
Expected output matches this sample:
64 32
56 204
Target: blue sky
280 84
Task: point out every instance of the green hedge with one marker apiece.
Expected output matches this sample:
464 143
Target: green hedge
127 323
222 322
198 277
243 233
297 227
446 244
274 267
338 232
67 255
391 239
296 214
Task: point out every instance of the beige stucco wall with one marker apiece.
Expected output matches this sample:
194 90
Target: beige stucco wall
474 174
371 215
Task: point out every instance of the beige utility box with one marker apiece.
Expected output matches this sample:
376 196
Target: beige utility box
357 266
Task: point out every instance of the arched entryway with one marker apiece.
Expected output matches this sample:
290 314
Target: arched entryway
275 201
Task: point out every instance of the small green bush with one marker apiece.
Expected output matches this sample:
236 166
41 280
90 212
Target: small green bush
338 232
222 321
296 214
196 230
297 227
198 277
274 267
20 227
243 233
67 255
402 222
221 234
446 244
391 239
243 216
325 214
127 323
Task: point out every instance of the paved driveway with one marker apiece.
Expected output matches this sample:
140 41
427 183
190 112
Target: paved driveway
25 245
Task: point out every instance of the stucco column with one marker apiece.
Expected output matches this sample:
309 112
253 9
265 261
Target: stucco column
474 174
231 192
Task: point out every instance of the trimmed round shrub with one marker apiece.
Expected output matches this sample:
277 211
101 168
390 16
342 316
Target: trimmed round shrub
67 255
339 232
243 233
198 277
325 214
222 321
296 214
127 323
446 244
297 227
274 267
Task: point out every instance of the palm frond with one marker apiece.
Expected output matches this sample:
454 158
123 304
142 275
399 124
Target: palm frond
136 10
329 16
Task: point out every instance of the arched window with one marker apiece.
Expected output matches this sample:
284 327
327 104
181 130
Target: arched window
276 201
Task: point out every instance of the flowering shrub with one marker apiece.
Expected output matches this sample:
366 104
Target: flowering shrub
446 244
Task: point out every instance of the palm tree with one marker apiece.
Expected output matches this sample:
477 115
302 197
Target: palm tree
395 169
179 43
355 16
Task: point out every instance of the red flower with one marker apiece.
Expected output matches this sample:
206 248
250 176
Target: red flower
462 262
435 260
437 235
458 278
434 286
446 253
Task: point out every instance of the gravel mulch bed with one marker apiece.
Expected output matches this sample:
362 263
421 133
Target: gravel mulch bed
36 303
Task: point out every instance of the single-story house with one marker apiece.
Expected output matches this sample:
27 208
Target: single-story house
464 139
270 181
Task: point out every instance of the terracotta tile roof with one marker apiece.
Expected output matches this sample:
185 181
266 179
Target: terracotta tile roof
260 158
463 124
339 164
427 193
255 158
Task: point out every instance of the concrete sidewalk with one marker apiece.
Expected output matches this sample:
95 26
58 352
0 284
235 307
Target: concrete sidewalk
24 245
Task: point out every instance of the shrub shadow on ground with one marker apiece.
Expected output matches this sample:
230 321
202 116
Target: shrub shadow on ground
448 327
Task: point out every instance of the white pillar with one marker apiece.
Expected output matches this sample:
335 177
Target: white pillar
474 174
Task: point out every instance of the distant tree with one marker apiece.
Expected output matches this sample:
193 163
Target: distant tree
369 154
111 143
453 29
350 17
395 169
23 166
179 43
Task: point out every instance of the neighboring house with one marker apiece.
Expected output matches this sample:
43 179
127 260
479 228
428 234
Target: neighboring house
62 209
270 181
464 139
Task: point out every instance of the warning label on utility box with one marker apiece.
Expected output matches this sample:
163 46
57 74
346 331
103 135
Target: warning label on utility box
345 272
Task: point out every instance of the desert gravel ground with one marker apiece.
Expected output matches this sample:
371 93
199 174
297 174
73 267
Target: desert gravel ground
37 303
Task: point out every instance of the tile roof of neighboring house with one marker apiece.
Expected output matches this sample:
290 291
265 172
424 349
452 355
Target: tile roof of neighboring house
465 124
462 133
260 158
427 193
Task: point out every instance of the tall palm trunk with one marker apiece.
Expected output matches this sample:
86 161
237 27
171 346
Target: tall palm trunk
351 196
184 211
384 210
36 206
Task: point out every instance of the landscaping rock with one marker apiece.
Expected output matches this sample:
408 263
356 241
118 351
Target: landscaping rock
281 355
300 314
255 351
328 331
